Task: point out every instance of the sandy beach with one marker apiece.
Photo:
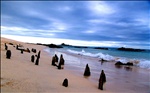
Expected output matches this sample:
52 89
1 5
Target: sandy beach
20 75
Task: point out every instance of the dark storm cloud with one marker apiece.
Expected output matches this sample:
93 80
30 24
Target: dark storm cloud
116 21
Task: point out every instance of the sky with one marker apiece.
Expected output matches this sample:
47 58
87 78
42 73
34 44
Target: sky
84 23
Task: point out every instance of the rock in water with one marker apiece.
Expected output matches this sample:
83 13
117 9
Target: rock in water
65 82
87 71
119 63
32 58
129 63
102 80
8 54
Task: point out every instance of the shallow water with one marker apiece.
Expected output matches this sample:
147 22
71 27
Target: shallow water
140 59
114 52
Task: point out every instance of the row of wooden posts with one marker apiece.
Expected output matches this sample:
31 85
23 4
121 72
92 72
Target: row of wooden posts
59 65
87 72
8 53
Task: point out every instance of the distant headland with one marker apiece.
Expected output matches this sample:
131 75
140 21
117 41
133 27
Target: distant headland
102 48
130 49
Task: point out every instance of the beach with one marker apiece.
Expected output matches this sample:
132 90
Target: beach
20 75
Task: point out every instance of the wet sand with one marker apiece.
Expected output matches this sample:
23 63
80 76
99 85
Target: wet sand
20 75
122 79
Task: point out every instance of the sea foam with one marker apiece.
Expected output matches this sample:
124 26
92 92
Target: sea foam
137 62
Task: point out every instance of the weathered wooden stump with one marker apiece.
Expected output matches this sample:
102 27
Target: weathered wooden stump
53 61
102 80
8 54
33 50
6 47
87 71
56 57
32 58
17 47
59 65
38 57
61 62
21 51
37 61
65 82
39 54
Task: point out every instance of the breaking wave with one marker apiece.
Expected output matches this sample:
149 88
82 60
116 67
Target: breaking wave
137 62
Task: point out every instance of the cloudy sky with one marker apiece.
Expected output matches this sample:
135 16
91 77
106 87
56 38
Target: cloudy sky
91 23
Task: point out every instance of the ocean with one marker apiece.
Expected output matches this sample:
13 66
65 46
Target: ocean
139 59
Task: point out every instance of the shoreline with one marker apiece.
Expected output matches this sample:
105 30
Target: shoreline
138 62
134 72
94 58
18 74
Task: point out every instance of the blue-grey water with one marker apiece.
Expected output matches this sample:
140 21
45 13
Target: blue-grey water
143 57
115 52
